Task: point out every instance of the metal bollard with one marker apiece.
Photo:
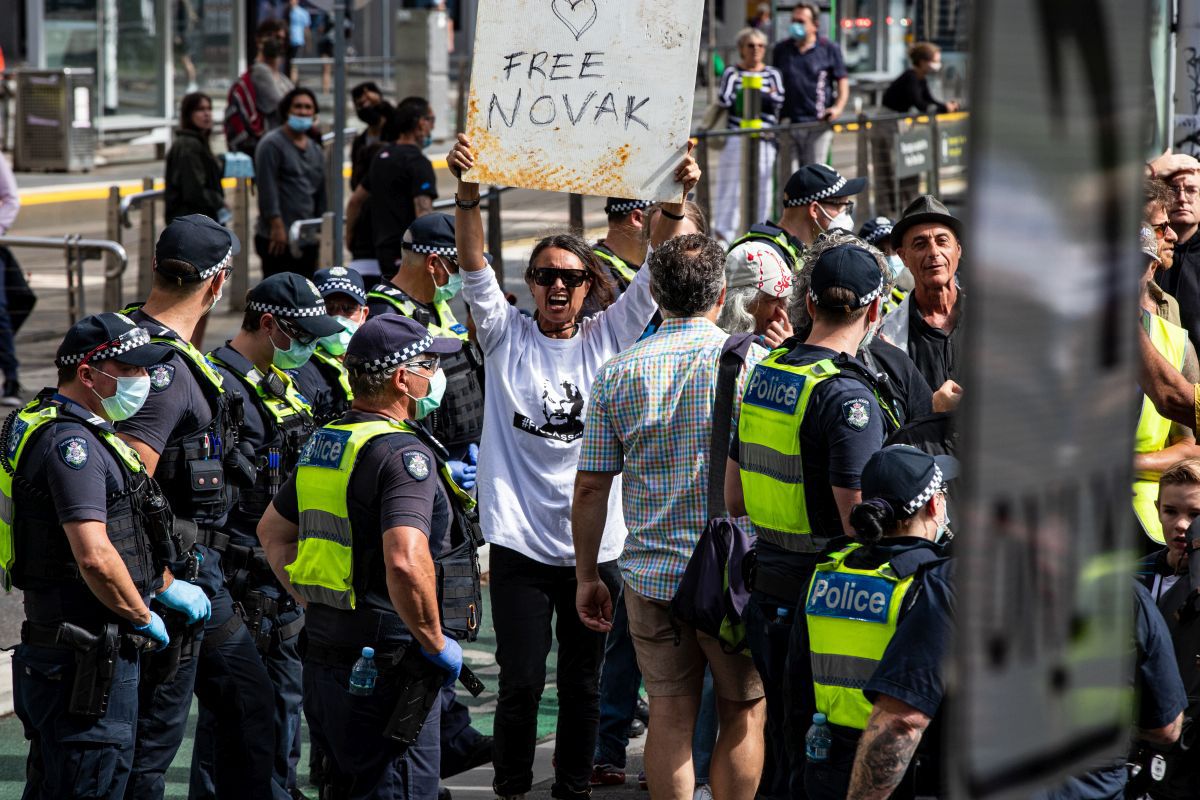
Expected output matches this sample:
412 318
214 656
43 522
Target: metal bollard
575 214
495 234
239 282
704 188
751 119
146 244
864 154
935 161
325 252
114 289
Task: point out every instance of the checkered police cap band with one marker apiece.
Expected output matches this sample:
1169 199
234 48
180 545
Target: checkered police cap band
395 359
880 233
344 286
285 312
627 206
130 340
429 249
914 505
866 300
825 193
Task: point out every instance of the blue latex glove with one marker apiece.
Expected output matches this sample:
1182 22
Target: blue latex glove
449 659
187 598
156 630
472 454
463 474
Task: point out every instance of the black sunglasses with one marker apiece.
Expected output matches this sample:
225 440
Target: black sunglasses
294 332
571 278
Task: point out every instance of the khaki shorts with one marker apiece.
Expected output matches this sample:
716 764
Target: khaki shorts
677 670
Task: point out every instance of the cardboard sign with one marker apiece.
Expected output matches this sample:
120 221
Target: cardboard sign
586 96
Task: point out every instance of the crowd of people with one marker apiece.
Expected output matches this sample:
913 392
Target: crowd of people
289 524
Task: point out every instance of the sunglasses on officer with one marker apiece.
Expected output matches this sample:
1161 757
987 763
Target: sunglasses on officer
294 332
571 278
429 364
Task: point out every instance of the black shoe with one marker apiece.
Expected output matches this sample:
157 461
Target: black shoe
297 794
636 728
443 793
642 711
480 754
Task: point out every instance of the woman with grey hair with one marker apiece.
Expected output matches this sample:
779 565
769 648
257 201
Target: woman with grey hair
751 68
911 395
758 284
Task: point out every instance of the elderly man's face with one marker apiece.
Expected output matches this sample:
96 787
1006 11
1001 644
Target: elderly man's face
931 252
1187 199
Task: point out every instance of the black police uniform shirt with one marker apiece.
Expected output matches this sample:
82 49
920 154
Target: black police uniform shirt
835 444
316 388
69 462
909 388
384 494
936 352
1158 687
398 174
175 408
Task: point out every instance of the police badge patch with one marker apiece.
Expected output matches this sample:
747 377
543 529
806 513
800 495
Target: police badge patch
161 376
417 464
74 452
857 412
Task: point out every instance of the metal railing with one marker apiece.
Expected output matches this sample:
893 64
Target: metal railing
77 251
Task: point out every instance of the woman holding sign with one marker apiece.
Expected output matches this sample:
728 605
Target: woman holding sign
538 379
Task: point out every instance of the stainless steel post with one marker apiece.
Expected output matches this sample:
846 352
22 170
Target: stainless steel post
145 262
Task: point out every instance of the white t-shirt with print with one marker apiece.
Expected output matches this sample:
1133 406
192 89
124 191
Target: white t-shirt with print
535 407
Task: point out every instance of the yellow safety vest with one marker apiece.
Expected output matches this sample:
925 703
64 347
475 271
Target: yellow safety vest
1153 429
851 616
619 265
893 299
773 408
776 236
29 420
446 326
323 571
287 408
339 369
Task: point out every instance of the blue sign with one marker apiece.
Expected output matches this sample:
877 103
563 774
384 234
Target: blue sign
325 449
848 596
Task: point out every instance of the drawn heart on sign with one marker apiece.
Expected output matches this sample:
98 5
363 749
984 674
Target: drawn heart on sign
577 15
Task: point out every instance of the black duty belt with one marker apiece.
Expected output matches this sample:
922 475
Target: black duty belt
344 656
212 538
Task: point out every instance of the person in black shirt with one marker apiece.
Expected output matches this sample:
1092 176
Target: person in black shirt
910 92
400 182
376 112
928 324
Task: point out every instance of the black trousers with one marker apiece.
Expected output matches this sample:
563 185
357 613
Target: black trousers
526 595
305 265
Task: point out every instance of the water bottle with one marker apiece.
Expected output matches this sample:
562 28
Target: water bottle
816 744
783 615
362 677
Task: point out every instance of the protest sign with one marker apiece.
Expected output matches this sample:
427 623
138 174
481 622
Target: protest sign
586 96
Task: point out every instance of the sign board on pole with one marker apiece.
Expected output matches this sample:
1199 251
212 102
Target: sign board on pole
583 96
1045 586
952 133
914 150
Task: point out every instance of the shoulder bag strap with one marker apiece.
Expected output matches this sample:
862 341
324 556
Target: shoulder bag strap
733 355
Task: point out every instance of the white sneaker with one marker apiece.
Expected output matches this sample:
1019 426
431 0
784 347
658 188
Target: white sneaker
11 401
703 792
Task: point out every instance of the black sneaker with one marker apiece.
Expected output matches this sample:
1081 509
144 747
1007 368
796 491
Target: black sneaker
12 395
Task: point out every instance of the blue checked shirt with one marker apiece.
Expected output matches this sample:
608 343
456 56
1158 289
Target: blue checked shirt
651 419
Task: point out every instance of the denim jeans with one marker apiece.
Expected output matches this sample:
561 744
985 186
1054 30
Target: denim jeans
619 683
705 736
526 595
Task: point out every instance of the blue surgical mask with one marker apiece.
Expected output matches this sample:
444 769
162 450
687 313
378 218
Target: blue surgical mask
299 124
130 395
944 534
442 294
336 343
428 140
295 356
429 403
798 30
895 268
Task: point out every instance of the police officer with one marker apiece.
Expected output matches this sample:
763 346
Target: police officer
323 379
816 199
623 248
78 534
285 317
186 434
859 594
877 232
374 535
422 288
810 420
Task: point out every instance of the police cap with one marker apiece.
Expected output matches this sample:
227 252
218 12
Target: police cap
386 341
432 233
875 231
850 267
100 337
814 182
340 280
194 248
616 206
294 298
906 477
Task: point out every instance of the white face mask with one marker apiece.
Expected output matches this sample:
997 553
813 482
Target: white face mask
842 220
935 66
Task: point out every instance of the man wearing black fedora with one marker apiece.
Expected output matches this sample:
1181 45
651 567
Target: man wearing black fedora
928 323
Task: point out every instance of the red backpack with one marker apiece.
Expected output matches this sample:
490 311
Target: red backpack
244 126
